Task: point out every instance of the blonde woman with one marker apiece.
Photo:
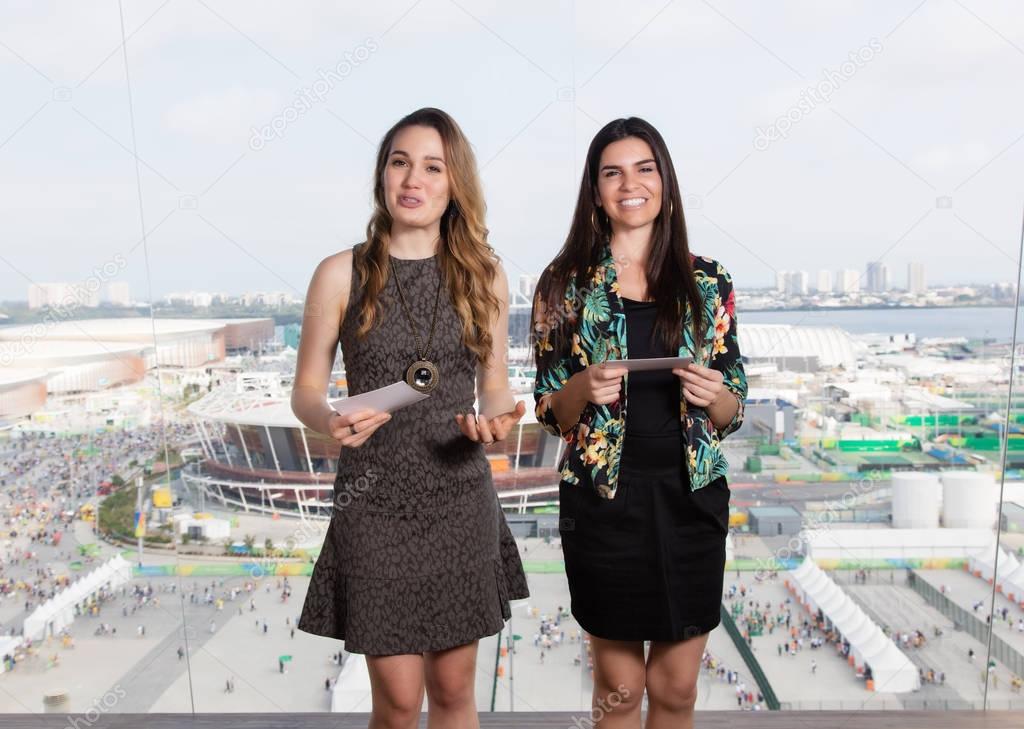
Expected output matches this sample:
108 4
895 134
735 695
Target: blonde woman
418 562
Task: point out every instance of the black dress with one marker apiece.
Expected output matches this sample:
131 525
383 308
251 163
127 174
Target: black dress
648 564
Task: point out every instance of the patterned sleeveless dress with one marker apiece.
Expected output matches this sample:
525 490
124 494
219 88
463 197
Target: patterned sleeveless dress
418 555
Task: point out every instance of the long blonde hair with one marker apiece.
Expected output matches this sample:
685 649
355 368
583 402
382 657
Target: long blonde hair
468 262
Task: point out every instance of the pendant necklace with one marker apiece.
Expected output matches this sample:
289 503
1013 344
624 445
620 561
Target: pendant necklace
422 374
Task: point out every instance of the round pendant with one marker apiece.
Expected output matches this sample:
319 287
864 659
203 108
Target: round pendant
422 375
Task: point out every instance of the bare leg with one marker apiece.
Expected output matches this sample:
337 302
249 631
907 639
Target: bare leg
451 688
397 687
672 669
618 683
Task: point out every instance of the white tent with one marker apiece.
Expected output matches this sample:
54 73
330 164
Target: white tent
1013 585
870 646
893 670
58 612
1008 564
890 668
984 564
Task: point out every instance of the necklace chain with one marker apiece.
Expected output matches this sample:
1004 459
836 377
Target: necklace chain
412 322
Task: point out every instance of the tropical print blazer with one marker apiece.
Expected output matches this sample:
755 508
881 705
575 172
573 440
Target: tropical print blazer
598 320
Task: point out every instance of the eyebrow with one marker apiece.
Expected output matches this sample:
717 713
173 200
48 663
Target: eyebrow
635 164
403 152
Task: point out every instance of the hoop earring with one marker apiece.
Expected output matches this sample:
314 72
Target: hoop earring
670 207
593 220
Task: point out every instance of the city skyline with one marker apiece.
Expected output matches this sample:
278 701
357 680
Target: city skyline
255 163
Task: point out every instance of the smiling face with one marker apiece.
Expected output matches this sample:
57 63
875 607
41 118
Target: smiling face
629 185
416 187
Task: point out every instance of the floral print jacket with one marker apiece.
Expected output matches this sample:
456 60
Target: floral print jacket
597 315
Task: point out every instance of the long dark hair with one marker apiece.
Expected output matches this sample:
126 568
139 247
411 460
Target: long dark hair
670 275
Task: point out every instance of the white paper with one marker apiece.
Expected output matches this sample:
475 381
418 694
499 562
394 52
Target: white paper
649 363
385 399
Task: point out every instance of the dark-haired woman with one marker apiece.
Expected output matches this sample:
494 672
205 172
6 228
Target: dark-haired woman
644 501
418 562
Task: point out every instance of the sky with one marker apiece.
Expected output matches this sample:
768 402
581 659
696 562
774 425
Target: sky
805 134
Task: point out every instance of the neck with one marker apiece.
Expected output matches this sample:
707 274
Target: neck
406 242
632 244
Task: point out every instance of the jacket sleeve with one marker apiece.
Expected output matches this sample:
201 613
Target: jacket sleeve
725 353
553 368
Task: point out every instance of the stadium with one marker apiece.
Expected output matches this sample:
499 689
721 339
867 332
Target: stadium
258 457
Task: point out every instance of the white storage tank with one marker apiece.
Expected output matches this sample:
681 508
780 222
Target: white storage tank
970 499
915 500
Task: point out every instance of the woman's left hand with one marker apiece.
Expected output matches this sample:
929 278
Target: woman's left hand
487 430
701 385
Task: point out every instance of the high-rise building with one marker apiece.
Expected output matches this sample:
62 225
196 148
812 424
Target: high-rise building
796 283
878 277
528 284
915 278
119 293
61 295
847 281
824 282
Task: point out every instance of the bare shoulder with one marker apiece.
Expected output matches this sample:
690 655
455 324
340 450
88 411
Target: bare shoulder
337 267
331 283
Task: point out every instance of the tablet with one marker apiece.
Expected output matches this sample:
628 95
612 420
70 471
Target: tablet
648 363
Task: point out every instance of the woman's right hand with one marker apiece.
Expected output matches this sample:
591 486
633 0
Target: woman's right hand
599 383
353 429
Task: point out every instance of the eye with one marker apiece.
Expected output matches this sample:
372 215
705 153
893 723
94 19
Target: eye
434 168
609 173
397 161
648 168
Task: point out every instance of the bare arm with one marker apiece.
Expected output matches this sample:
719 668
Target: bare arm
560 394
499 410
322 315
492 386
324 311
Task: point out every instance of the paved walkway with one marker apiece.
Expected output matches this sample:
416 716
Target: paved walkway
903 610
791 676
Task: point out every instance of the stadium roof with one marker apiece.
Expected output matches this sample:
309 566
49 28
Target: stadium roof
15 376
117 329
57 353
831 345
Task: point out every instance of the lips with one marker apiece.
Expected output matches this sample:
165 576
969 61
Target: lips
632 202
409 201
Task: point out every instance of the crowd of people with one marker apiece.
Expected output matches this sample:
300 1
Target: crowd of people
746 698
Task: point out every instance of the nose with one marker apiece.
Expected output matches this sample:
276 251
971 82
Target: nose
627 181
411 178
